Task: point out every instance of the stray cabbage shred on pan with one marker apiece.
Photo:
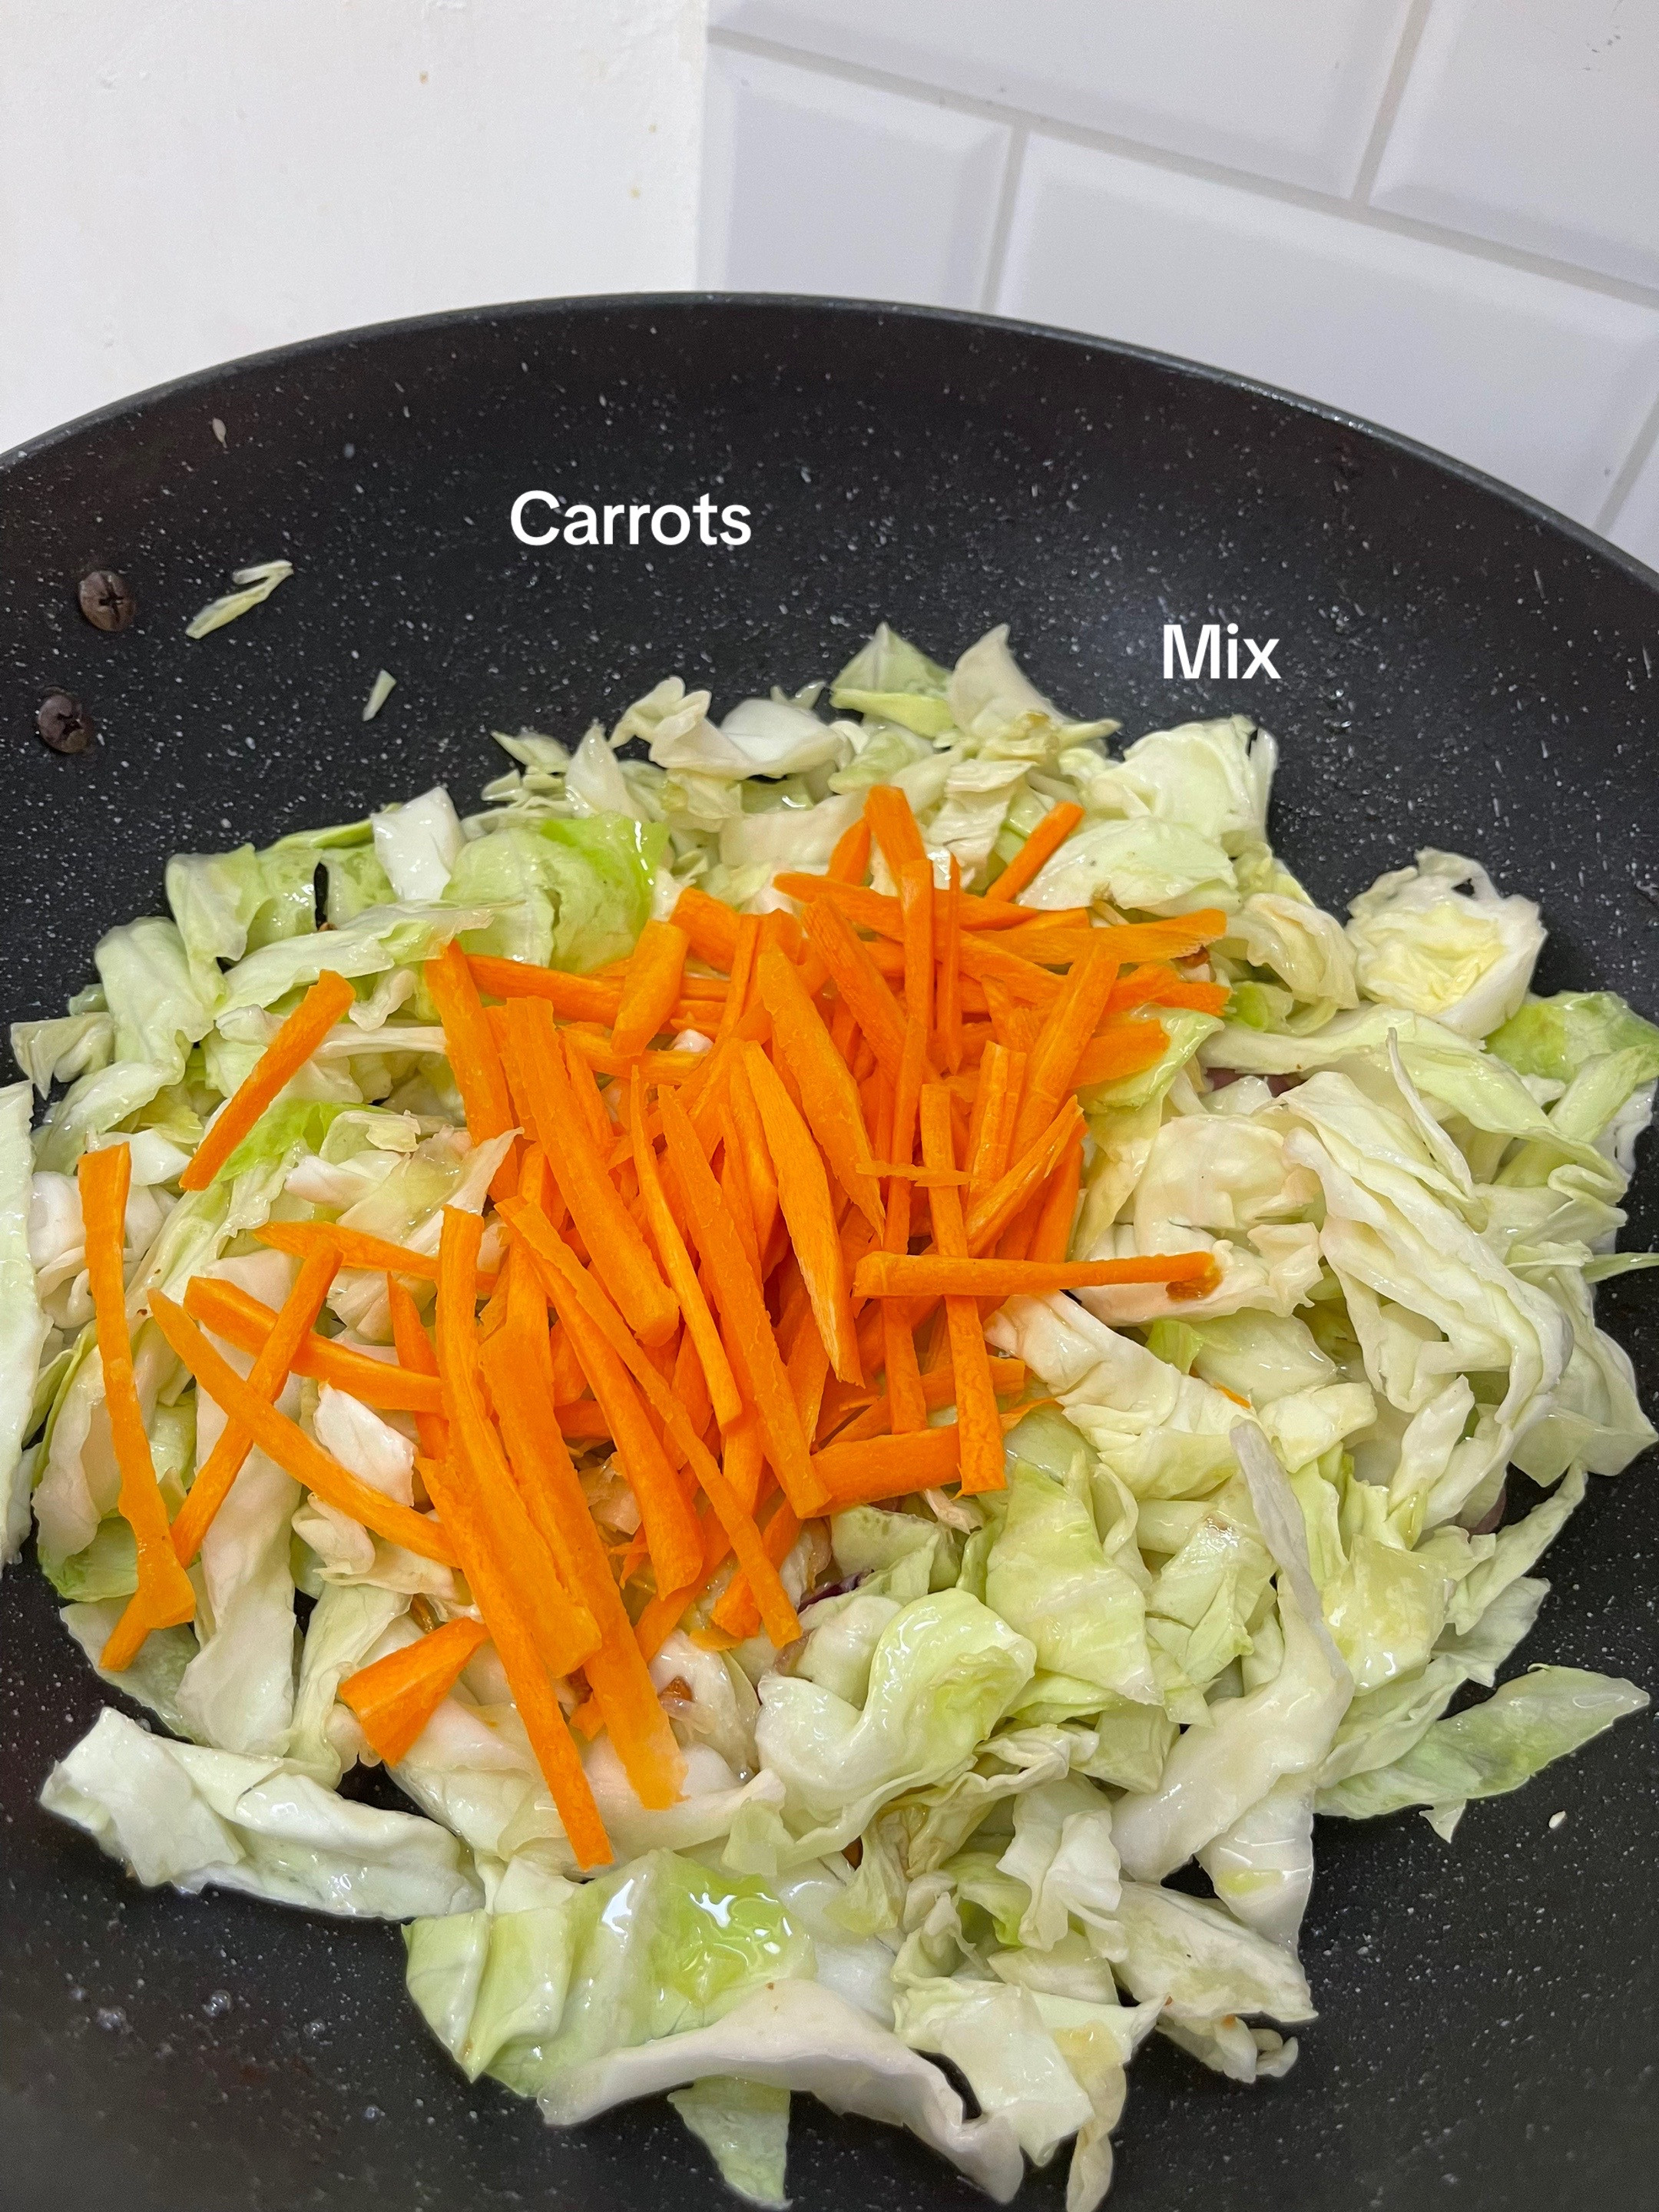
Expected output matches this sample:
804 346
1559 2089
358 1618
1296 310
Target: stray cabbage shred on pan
845 1349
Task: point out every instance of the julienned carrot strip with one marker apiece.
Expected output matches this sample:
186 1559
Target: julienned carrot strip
1001 1078
760 1172
893 825
1049 835
888 1466
1015 1026
939 1388
931 1274
808 1370
519 1375
989 1213
1051 1238
416 1357
803 1192
395 1698
323 1005
744 952
742 1308
921 1178
734 1189
561 1271
690 1385
879 911
994 960
840 1406
781 928
829 1096
1015 1242
1157 985
950 974
573 998
1123 1049
980 1459
560 1626
736 1611
582 1418
569 1381
584 1089
744 1461
474 1060
670 1526
850 861
356 1248
662 1615
274 1358
164 1597
597 1058
1049 1077
788 1293
860 983
653 984
916 883
1056 942
710 927
234 1314
526 1673
682 1275
1174 938
543 1087
284 1441
898 1342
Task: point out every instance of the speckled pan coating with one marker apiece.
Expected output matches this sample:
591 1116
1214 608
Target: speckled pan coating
1459 668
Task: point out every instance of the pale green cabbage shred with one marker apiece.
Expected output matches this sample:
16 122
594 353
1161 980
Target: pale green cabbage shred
1242 1564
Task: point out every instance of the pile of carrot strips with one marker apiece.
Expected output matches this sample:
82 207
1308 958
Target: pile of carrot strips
752 1277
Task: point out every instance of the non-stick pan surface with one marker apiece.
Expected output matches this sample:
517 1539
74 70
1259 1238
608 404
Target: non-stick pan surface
1457 668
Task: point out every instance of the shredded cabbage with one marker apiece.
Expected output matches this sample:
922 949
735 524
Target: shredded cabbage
1248 1551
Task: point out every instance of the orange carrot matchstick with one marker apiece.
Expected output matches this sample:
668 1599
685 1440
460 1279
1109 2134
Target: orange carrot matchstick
652 985
273 1361
164 1597
395 1698
1044 841
980 1458
294 1451
931 1274
323 1005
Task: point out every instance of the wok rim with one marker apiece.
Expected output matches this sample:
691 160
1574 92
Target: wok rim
298 350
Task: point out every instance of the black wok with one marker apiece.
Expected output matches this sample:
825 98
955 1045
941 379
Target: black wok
1458 667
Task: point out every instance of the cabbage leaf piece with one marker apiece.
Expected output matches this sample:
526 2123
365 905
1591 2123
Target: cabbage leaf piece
1424 941
22 1324
744 2126
798 2035
199 1819
1555 1037
943 1672
1493 1747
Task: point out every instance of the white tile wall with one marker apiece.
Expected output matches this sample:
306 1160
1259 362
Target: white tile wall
1290 90
184 183
1536 122
1540 382
810 184
1441 214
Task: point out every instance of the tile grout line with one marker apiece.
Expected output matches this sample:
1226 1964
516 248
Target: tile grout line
1003 224
1634 461
1394 92
1491 252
